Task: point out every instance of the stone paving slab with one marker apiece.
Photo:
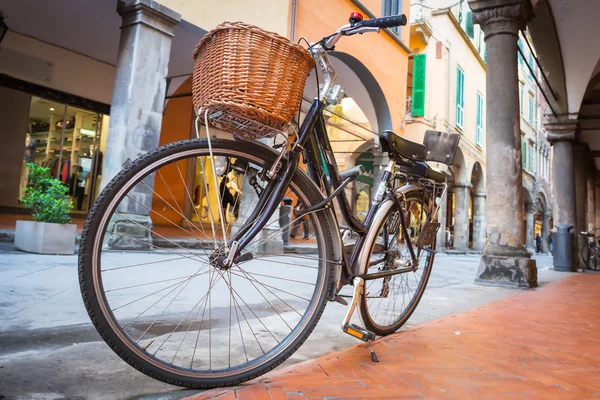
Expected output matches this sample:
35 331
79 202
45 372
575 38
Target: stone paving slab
538 344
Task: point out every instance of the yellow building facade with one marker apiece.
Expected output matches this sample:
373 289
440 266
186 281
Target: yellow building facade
446 85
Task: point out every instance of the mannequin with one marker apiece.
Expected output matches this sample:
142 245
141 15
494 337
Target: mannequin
28 157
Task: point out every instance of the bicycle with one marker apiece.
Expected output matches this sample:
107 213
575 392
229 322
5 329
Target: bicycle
590 252
230 303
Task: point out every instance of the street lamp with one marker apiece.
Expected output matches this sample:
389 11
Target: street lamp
3 26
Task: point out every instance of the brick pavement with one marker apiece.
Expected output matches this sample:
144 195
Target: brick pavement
538 344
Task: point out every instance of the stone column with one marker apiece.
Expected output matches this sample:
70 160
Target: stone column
479 221
137 106
591 201
441 235
545 231
561 135
580 155
529 242
505 259
461 217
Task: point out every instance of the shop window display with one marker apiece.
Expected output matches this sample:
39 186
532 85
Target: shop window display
67 140
230 192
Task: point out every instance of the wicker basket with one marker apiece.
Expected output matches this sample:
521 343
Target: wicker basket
250 80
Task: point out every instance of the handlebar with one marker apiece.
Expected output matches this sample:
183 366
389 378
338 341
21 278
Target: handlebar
320 49
386 22
360 26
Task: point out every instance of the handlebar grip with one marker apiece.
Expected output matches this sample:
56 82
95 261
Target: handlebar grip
386 22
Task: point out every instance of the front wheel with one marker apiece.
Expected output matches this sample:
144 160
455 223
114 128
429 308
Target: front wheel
152 280
389 302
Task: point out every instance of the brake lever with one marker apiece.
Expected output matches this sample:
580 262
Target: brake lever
361 30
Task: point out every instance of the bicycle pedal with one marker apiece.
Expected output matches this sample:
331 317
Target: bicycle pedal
359 332
340 300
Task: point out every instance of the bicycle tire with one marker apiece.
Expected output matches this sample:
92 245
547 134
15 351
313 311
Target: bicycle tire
383 329
94 297
586 256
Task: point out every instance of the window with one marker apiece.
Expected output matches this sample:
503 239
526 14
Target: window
531 109
469 28
418 90
523 154
520 44
521 98
530 157
392 7
67 140
460 97
531 64
479 127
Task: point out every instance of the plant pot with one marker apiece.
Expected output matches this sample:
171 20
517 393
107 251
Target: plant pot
45 238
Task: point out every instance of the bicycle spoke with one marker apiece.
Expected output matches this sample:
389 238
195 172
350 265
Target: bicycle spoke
180 211
163 274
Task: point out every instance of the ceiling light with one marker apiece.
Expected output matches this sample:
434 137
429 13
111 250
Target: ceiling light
51 109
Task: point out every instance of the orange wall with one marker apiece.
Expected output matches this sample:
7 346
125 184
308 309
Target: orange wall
385 59
176 125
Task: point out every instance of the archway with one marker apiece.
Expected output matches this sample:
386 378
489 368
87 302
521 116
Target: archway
353 125
460 202
529 210
446 216
478 227
542 219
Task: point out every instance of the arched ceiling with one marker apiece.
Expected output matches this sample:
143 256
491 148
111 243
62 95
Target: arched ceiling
563 34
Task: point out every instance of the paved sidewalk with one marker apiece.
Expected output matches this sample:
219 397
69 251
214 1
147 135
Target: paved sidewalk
539 344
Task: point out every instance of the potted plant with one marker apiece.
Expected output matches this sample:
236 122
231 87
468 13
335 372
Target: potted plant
51 232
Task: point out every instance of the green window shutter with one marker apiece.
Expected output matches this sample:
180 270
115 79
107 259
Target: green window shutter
479 125
523 154
469 28
460 98
418 93
478 110
458 78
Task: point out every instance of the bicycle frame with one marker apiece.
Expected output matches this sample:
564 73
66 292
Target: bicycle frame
314 143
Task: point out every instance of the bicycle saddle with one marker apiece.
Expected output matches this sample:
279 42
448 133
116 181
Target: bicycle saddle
397 145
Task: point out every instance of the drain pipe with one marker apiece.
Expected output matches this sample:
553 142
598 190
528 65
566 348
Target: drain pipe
293 30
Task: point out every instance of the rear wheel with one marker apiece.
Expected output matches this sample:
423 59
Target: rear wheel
389 302
585 256
150 274
589 255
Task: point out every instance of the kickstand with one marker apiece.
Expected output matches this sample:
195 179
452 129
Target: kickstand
373 354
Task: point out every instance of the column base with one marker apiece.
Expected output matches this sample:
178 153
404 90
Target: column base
132 232
504 265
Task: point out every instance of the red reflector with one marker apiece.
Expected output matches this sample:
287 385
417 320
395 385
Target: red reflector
357 15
